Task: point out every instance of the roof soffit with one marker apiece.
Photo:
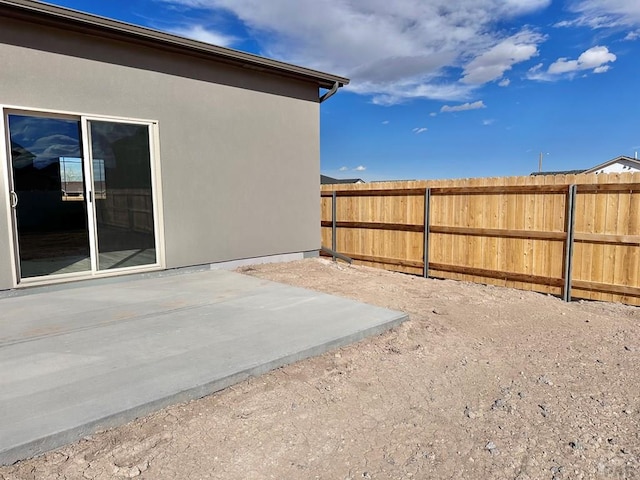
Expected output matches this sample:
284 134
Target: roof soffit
42 13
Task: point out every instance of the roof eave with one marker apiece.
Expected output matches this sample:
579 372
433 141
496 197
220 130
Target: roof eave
44 13
611 162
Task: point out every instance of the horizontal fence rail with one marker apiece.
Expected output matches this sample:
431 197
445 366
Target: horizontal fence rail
576 236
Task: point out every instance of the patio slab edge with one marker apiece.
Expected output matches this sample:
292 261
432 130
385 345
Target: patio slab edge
50 442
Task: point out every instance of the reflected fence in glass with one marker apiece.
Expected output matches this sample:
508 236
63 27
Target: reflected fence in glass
122 182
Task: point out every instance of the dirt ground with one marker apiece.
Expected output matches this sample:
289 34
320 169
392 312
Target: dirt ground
482 382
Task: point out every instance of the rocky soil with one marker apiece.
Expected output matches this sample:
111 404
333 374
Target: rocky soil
482 382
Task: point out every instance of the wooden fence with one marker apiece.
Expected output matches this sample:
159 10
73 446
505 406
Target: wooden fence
575 235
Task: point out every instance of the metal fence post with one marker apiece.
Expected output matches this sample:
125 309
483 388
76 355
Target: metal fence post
568 248
334 241
427 223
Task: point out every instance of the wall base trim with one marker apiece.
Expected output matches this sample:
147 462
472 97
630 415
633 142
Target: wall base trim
284 257
228 265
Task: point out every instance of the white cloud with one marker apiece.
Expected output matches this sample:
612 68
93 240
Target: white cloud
633 35
401 92
596 59
360 168
491 64
505 82
537 73
385 122
343 169
488 121
198 32
583 21
392 51
605 13
465 106
433 114
418 130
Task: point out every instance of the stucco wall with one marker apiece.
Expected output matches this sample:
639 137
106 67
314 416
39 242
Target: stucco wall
239 148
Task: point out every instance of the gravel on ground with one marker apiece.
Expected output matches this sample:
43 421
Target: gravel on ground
482 382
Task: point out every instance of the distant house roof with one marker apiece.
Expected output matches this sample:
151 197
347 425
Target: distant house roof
560 172
324 180
632 163
628 163
46 14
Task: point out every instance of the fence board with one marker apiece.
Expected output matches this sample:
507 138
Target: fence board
498 274
583 252
516 249
633 258
504 233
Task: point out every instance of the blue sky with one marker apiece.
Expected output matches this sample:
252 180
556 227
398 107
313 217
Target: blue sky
440 88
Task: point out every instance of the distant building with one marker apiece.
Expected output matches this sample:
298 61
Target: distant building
559 172
621 164
324 180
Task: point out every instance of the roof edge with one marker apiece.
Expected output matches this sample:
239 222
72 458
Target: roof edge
53 14
612 161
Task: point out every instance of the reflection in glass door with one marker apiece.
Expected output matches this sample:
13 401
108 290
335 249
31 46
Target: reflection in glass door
76 212
48 195
123 201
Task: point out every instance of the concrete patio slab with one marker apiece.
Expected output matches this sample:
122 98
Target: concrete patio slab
89 356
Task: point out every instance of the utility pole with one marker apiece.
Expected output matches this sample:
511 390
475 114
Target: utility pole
540 163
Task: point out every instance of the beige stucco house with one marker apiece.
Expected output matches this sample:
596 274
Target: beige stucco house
126 150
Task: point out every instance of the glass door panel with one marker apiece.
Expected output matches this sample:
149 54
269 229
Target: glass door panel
123 196
48 195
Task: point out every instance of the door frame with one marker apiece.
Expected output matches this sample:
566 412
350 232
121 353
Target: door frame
6 176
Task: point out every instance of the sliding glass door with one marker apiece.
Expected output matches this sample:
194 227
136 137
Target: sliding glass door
123 196
82 195
47 195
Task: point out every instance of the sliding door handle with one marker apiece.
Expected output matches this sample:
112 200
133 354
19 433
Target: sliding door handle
14 199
